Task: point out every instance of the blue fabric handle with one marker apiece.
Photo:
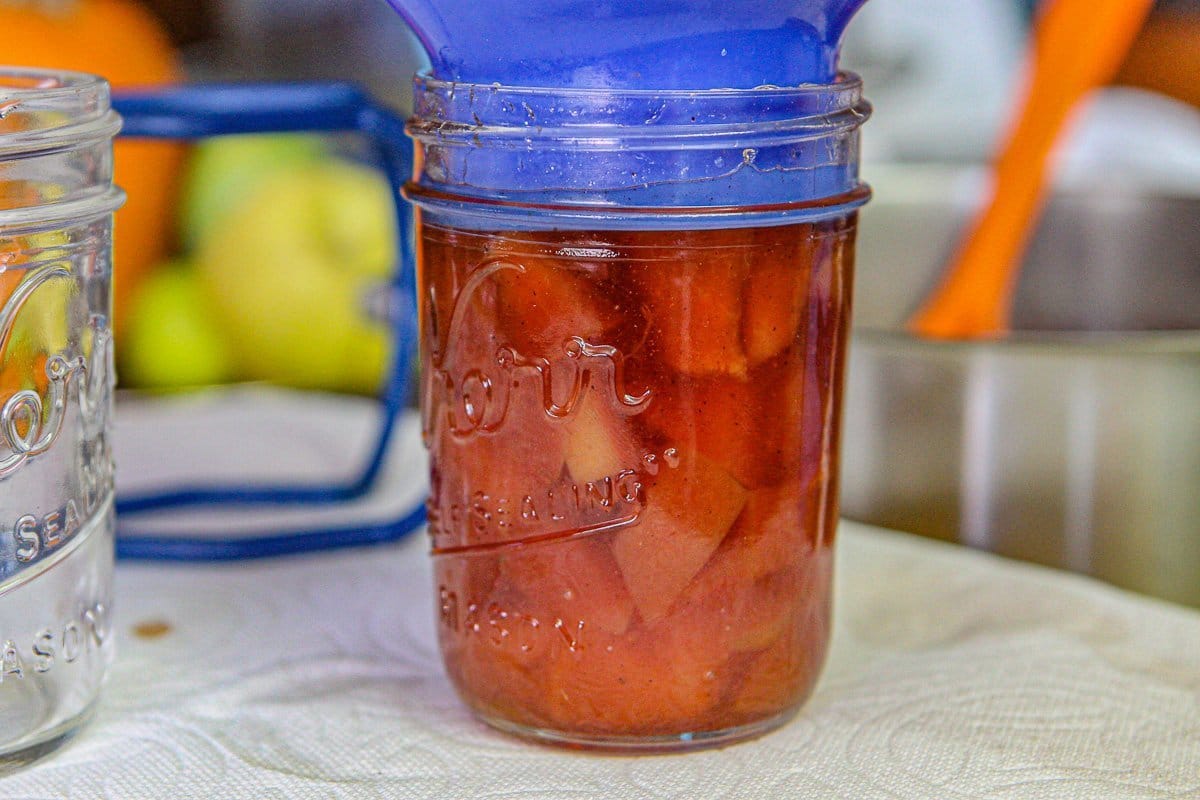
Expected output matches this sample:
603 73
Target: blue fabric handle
197 111
190 112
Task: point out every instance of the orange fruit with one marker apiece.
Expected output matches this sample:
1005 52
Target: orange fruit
120 41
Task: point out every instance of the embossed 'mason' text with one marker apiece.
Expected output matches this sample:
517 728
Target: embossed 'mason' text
63 643
509 629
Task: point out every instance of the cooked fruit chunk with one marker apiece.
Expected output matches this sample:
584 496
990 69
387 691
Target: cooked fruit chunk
694 306
493 653
795 411
574 582
686 513
785 673
494 682
599 438
721 417
776 300
544 299
763 612
541 307
484 479
738 613
776 530
632 684
774 679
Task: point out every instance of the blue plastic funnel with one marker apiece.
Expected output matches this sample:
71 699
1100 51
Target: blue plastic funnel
632 44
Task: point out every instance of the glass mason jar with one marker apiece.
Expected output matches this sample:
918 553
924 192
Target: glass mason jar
56 473
634 309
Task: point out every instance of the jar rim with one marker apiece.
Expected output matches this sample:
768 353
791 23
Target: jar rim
46 82
54 109
454 112
846 81
540 216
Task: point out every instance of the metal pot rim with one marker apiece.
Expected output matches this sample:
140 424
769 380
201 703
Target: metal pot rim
1044 343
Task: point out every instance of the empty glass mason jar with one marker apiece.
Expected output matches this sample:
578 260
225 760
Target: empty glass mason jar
634 309
56 376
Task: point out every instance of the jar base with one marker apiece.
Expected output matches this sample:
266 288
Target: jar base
647 745
20 754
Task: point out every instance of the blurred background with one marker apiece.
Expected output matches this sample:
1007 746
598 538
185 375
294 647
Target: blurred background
1075 444
942 74
1074 441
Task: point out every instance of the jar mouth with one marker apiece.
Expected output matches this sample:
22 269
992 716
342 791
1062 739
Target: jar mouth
451 110
44 110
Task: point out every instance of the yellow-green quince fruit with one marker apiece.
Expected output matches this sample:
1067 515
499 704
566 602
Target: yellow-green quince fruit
173 338
223 170
291 276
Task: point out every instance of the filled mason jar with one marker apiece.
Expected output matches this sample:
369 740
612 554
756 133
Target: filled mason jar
634 309
56 375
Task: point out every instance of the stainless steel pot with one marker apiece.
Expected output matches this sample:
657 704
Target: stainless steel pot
1076 441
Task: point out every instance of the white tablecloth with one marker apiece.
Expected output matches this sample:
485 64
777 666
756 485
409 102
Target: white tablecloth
953 675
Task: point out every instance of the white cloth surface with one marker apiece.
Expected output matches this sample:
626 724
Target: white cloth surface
953 674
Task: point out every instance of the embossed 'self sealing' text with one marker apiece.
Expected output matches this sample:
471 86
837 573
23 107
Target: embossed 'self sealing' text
606 502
